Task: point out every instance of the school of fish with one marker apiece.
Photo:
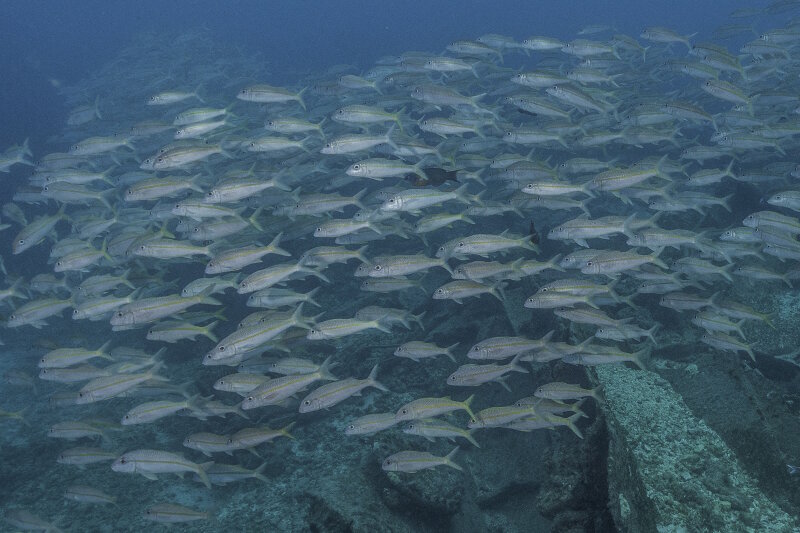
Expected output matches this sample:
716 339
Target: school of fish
211 219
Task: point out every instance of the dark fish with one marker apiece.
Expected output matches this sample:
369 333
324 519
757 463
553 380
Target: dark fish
534 234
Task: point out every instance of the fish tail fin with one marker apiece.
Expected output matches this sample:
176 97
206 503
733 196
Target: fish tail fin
358 196
325 370
514 364
201 473
418 319
466 406
310 297
285 430
104 250
445 265
449 351
276 249
448 459
240 412
498 292
471 439
253 219
641 357
726 201
651 333
725 271
258 473
205 296
388 136
738 329
299 98
570 423
298 319
207 331
461 194
595 393
381 326
196 93
373 380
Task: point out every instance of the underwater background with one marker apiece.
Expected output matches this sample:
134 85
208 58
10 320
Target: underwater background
683 430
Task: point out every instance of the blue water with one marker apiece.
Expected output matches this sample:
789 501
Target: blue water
45 42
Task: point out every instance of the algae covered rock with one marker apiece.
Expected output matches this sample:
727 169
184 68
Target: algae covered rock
668 471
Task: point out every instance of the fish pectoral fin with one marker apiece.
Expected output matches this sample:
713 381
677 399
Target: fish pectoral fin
148 475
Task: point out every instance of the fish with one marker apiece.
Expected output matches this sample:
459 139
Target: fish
371 424
148 463
414 461
333 393
417 350
432 427
86 494
171 513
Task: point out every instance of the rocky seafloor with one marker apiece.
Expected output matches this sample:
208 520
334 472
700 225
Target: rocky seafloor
699 442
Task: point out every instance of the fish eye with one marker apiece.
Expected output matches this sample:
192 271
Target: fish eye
544 289
122 460
319 229
589 263
221 348
378 267
222 382
439 291
327 145
160 159
411 426
251 399
404 411
356 167
119 313
21 241
778 197
307 402
45 188
351 426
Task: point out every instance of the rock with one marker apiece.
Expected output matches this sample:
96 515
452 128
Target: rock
670 471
